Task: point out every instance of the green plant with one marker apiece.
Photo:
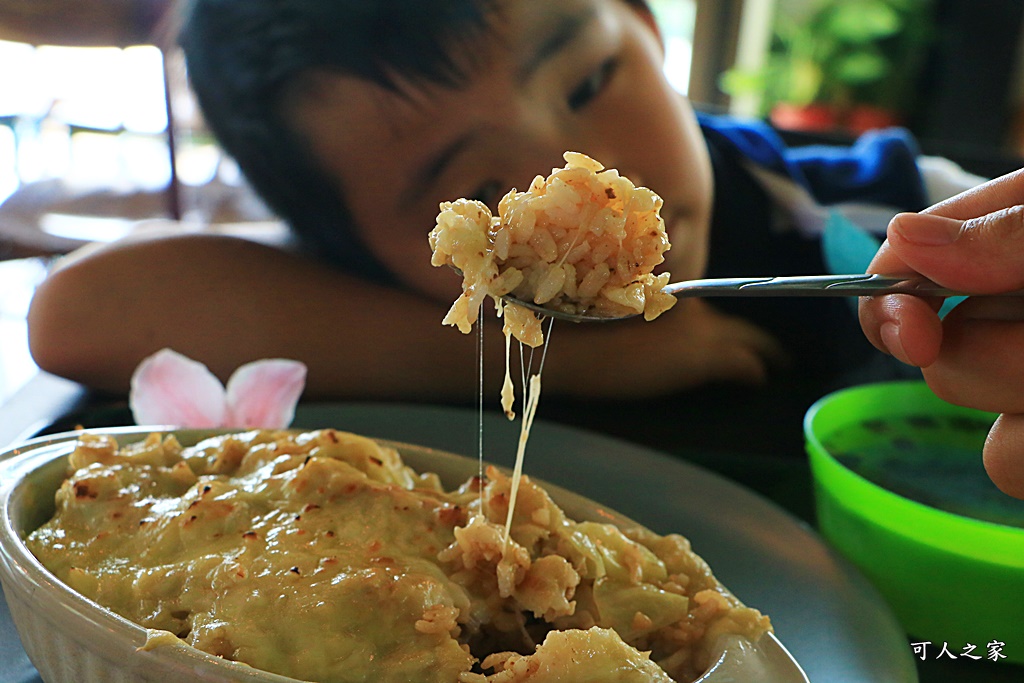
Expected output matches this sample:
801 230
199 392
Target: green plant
841 53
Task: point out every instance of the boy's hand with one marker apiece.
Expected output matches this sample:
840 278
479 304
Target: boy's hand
690 345
975 356
702 345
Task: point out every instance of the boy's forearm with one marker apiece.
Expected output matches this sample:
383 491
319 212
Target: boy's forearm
225 302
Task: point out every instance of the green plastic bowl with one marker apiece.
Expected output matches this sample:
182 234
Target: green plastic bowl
900 490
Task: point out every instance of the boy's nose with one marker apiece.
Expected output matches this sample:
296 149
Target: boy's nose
541 139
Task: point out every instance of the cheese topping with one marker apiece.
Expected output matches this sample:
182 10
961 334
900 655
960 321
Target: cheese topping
322 556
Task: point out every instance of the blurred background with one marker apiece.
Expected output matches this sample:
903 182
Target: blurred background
99 135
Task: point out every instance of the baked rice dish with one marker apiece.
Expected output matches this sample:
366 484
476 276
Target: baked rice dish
320 555
583 240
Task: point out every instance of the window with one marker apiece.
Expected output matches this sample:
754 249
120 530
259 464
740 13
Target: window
677 19
93 116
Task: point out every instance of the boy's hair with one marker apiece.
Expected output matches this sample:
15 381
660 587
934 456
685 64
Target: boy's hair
245 56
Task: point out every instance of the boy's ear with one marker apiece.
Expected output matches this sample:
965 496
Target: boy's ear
643 11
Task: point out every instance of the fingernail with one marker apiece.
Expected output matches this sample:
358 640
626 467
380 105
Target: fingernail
926 230
890 333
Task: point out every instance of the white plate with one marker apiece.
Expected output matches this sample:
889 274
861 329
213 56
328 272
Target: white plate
830 618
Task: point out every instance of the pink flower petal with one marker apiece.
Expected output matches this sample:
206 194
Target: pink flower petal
263 394
171 389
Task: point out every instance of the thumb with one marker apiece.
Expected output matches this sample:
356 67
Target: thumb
1002 454
983 255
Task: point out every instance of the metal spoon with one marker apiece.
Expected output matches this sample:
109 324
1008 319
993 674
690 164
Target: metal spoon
803 285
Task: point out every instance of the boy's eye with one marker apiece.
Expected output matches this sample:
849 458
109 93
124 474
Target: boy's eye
592 86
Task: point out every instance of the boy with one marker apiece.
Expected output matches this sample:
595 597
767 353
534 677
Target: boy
354 120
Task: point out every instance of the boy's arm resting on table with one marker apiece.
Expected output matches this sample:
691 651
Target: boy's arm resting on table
225 301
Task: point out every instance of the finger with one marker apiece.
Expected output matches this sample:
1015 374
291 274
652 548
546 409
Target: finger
996 194
1004 454
750 356
980 364
980 255
759 343
738 364
904 326
888 261
735 349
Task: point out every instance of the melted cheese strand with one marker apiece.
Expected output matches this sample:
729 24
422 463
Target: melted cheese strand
480 408
508 394
507 390
523 375
533 397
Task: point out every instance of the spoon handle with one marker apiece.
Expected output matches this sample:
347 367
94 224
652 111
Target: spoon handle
811 285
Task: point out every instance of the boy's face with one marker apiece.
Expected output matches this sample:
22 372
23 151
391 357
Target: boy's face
581 75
